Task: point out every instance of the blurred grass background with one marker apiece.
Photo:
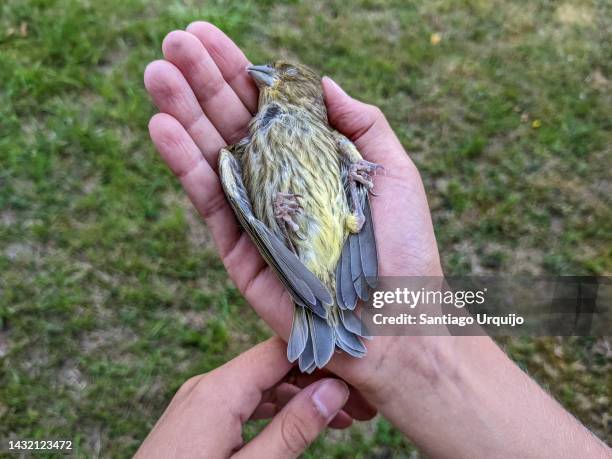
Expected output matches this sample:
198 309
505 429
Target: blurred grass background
111 294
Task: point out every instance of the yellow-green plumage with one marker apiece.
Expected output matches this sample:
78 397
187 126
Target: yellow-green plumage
300 158
292 150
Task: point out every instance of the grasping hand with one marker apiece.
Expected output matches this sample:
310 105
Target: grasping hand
206 100
205 417
453 396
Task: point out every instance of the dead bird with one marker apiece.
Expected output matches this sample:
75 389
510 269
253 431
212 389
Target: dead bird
301 191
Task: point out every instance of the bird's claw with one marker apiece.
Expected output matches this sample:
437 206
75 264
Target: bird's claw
360 172
286 205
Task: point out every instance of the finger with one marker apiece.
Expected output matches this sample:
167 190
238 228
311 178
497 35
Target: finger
248 376
178 150
364 124
264 411
172 95
341 421
285 392
356 406
273 401
218 100
268 410
230 60
240 256
300 422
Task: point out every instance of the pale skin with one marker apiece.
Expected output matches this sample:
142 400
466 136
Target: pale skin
452 396
206 415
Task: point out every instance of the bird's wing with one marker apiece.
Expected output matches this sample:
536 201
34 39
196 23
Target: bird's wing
305 288
357 270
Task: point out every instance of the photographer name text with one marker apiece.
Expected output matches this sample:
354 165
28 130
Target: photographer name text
418 298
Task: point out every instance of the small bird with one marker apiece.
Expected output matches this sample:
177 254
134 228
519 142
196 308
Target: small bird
301 191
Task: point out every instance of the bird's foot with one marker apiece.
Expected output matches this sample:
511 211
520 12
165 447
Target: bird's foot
360 171
287 205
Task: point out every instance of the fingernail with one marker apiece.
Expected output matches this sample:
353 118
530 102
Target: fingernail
333 83
330 397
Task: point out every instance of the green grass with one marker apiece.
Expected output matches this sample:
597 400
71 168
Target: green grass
110 292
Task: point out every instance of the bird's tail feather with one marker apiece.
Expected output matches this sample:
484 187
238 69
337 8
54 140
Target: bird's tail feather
349 340
313 339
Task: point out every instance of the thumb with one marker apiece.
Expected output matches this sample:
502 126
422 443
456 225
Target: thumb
362 123
350 116
300 422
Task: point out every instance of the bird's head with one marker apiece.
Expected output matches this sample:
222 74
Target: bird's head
287 82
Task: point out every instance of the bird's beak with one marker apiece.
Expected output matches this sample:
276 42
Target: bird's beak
263 75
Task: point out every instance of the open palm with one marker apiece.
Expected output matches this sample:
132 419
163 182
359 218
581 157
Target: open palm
206 100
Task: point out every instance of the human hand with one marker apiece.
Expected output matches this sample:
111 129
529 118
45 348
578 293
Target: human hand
206 415
430 387
206 100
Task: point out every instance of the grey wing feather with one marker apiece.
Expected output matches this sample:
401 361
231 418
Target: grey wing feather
339 299
357 270
350 344
299 334
306 360
344 279
349 341
305 288
354 324
355 259
359 280
367 247
322 340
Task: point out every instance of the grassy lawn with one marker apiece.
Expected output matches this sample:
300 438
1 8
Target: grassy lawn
111 294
